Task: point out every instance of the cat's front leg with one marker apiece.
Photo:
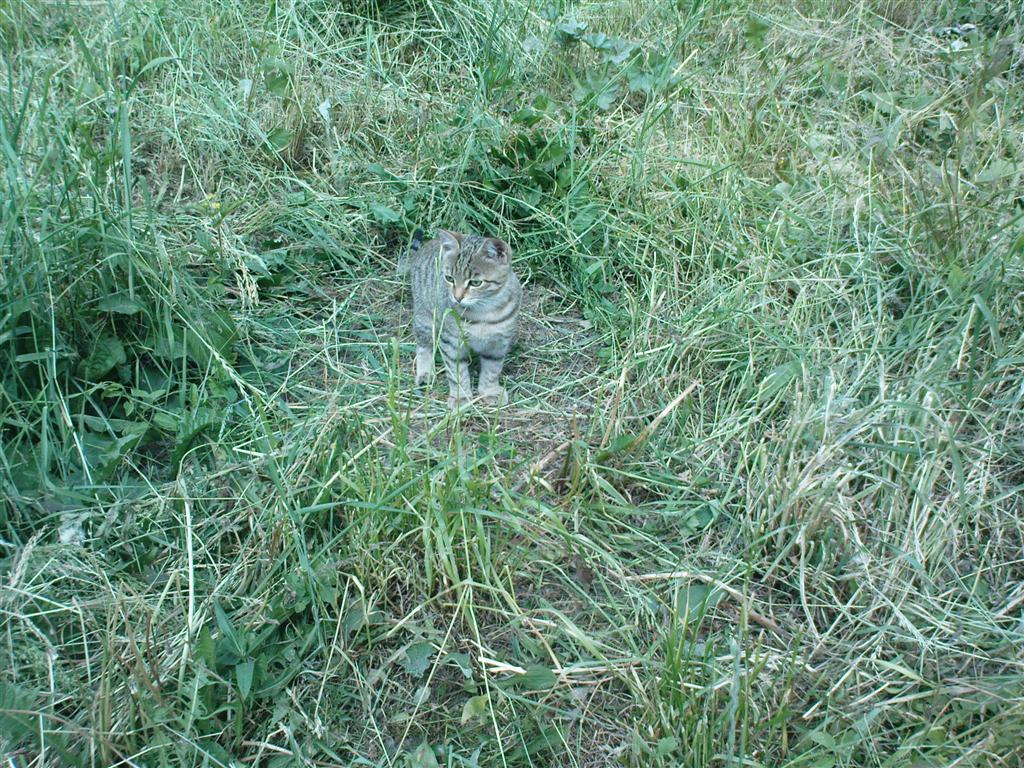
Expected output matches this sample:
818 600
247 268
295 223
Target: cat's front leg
456 365
459 391
424 334
491 392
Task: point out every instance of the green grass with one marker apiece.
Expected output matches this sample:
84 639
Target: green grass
757 499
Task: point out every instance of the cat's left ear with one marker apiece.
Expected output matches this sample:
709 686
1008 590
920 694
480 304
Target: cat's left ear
498 250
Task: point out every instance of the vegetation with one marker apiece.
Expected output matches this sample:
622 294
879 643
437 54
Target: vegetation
757 499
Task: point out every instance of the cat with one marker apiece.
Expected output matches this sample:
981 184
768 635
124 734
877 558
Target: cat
465 294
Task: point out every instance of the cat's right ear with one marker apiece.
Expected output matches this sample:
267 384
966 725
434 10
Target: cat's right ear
449 241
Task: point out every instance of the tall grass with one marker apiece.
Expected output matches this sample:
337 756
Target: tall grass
756 500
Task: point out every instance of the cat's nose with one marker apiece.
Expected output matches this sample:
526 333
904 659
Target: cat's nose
458 294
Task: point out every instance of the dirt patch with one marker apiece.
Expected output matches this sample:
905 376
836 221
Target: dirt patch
551 373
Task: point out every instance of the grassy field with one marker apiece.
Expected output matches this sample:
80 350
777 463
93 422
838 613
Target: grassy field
757 497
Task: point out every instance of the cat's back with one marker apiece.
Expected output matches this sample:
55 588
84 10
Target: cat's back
424 272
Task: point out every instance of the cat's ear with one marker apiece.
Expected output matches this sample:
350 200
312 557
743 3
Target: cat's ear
450 241
498 250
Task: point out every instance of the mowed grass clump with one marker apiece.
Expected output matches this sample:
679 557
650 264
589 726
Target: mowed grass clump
756 499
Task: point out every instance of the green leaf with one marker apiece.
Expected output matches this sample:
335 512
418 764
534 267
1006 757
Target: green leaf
693 601
996 170
279 138
585 218
618 445
527 116
463 663
228 630
666 746
570 30
151 65
355 618
622 50
106 353
277 82
384 214
379 170
423 757
993 324
537 678
957 278
755 31
17 726
473 708
166 421
823 738
190 428
122 304
244 674
642 82
416 658
205 649
778 379
554 155
599 41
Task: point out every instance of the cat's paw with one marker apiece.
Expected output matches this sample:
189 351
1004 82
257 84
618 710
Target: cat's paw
496 396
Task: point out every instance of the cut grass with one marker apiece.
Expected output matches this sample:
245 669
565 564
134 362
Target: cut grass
757 499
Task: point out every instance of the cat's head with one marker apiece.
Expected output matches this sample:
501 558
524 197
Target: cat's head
473 267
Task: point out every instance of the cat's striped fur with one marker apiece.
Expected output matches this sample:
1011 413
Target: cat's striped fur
466 298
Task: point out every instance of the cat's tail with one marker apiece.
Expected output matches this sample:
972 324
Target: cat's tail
405 259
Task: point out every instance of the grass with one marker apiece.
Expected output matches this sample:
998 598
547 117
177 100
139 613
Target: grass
757 499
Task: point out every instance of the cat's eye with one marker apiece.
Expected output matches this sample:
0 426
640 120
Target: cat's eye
475 283
449 279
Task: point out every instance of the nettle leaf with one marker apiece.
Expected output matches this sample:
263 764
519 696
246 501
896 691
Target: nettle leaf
104 454
417 658
997 170
122 304
106 353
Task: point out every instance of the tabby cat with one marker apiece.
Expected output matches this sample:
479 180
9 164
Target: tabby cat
465 293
